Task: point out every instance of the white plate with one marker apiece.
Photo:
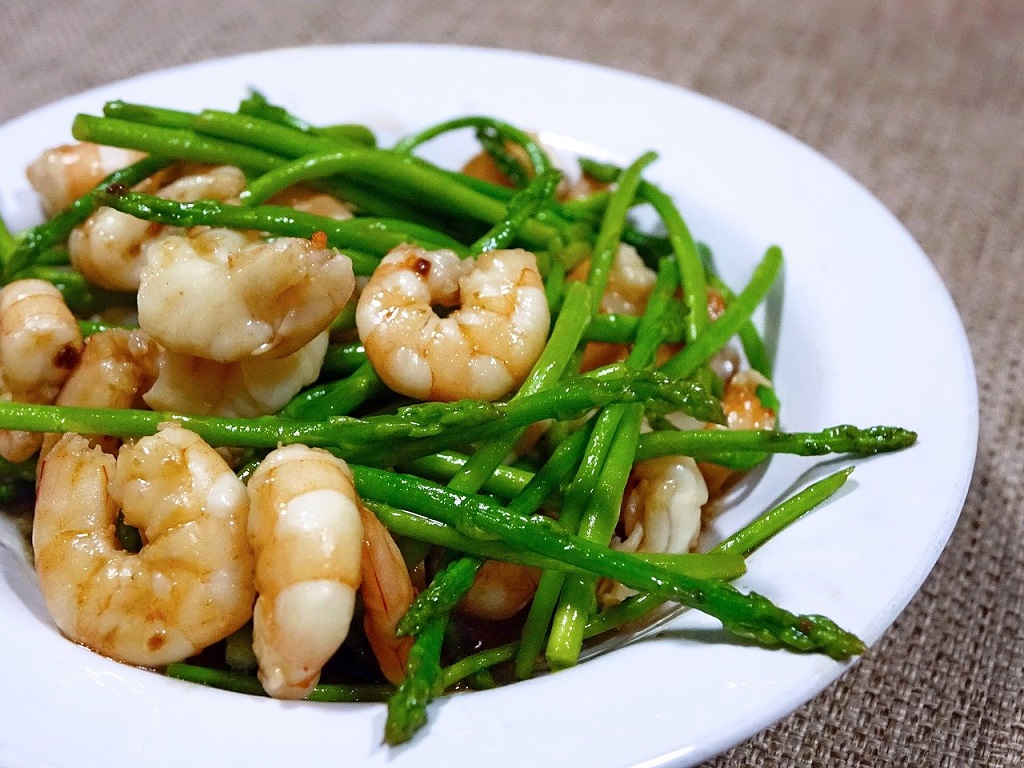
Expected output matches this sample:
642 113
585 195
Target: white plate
867 335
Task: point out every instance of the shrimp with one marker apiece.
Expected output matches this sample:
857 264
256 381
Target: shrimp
115 368
481 350
387 593
246 389
107 247
661 512
306 533
743 408
311 201
225 295
629 286
191 583
40 343
63 174
500 590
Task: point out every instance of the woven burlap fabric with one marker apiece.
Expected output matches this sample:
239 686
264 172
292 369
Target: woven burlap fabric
922 101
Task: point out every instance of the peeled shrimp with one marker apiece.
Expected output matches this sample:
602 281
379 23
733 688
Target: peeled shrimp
743 408
311 201
246 389
40 344
482 350
387 593
115 368
305 530
500 590
63 174
189 586
226 295
107 247
629 285
661 512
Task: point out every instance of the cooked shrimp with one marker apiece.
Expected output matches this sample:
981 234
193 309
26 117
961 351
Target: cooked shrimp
481 350
191 583
63 174
387 593
311 201
661 512
500 590
107 247
629 286
246 389
225 295
743 408
305 530
39 346
115 368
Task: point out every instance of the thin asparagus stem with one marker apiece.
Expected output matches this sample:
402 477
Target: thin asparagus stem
613 223
407 707
240 682
407 177
534 151
748 615
363 238
718 333
745 541
725 566
601 513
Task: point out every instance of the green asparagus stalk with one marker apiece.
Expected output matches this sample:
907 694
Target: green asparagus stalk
747 615
244 683
743 542
521 209
407 708
407 178
534 151
718 333
707 444
363 237
598 517
613 223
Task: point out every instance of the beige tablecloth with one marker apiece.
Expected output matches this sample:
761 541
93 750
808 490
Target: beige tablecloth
921 100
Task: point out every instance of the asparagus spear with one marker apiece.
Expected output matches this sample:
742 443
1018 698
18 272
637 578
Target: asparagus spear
433 606
747 615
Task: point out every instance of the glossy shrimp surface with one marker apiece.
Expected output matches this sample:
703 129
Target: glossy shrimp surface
115 368
226 295
307 536
40 344
500 590
387 593
661 511
247 388
63 174
191 583
482 348
107 247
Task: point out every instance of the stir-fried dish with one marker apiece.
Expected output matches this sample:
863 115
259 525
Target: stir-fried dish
308 417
